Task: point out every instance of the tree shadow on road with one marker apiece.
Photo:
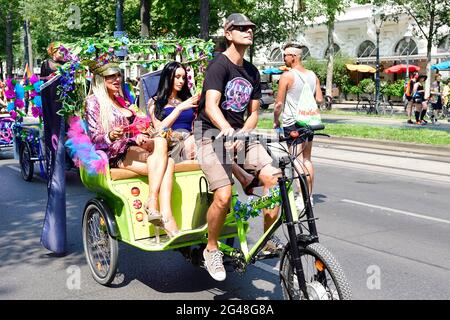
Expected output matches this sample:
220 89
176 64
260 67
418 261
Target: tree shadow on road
169 272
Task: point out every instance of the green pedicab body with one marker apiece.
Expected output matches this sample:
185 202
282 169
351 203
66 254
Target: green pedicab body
126 204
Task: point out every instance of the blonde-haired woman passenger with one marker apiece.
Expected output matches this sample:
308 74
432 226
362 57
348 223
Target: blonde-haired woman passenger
108 116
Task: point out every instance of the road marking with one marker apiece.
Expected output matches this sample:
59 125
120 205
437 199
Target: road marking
266 267
14 168
411 214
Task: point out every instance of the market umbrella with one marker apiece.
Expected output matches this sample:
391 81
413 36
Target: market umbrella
400 68
360 68
272 71
445 65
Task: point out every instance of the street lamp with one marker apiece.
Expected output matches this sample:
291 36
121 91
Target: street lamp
378 18
407 36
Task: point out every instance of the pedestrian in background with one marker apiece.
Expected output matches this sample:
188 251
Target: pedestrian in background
436 97
3 103
55 60
408 95
446 98
420 102
290 88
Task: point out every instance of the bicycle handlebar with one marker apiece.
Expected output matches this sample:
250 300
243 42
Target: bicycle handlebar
295 134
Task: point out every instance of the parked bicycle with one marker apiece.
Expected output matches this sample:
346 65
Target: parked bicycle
385 107
327 103
365 105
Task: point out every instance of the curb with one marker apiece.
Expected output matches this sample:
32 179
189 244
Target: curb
388 145
426 149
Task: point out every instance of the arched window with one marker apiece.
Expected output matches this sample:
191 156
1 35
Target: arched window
336 50
401 49
366 49
444 44
276 55
305 53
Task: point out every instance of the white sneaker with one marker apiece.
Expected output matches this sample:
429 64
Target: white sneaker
311 199
214 264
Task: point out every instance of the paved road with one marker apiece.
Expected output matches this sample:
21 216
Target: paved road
389 229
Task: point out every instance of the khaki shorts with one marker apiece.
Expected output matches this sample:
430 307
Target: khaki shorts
216 163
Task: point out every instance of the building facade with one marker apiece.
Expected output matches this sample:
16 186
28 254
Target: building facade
355 36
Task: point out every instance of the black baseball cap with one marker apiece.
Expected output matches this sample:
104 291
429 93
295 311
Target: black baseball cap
237 19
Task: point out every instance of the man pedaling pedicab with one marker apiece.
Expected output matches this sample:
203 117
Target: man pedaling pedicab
109 119
231 88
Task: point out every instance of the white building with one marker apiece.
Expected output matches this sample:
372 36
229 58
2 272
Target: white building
355 36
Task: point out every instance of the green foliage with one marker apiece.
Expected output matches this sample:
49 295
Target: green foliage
194 53
356 90
395 89
318 66
277 20
367 86
340 72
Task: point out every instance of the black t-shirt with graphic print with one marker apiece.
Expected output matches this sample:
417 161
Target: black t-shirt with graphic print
238 85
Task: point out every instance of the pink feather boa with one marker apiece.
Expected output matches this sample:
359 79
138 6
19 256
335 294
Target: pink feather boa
82 150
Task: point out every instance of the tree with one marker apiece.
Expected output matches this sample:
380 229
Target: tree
10 20
330 9
430 17
204 19
145 17
432 20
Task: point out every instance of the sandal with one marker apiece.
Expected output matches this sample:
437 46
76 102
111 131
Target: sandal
153 215
169 233
248 190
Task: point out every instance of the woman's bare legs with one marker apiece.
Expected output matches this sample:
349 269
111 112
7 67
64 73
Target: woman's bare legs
165 196
304 164
157 165
152 159
243 176
190 148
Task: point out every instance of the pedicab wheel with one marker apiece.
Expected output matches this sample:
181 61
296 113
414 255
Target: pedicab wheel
26 164
325 279
100 248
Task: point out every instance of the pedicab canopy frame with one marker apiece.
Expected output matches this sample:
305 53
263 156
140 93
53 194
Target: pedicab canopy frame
65 98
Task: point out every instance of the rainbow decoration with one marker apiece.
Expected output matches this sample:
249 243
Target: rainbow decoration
81 148
128 92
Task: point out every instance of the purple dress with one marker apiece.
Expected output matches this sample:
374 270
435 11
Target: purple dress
115 150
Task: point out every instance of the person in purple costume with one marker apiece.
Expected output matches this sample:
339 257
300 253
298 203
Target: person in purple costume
108 119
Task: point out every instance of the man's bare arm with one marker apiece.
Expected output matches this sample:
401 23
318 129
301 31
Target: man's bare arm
252 120
283 86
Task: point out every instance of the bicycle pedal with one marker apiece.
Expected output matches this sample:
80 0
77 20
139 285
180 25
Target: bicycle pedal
263 256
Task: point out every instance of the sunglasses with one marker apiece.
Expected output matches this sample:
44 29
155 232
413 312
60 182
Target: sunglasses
242 28
288 54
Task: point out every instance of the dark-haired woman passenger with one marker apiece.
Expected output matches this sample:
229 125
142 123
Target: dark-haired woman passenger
174 107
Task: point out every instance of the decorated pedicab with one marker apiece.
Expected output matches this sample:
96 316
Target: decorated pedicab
116 213
6 132
24 130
